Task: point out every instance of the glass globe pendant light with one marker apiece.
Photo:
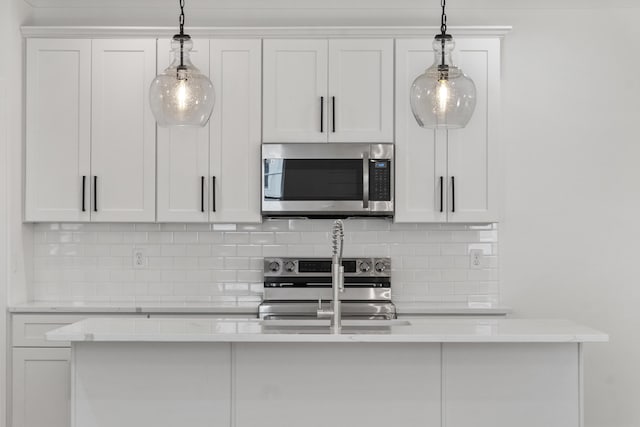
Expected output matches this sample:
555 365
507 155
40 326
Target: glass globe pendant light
181 95
443 97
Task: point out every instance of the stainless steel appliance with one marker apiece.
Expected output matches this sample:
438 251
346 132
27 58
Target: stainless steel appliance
299 287
327 180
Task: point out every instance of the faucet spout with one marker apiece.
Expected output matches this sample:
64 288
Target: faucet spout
337 279
337 275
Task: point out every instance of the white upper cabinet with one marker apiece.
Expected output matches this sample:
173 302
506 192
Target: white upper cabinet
328 90
235 131
58 134
90 151
448 176
183 154
473 150
361 90
421 158
123 131
211 174
295 91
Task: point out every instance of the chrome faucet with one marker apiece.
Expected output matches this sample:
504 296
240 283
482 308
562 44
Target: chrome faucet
337 278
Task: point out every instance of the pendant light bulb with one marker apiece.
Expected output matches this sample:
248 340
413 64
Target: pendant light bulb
181 95
443 97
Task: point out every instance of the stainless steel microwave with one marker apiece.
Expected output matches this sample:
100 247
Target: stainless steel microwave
327 180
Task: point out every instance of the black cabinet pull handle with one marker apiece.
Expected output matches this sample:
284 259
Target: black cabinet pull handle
322 114
441 194
202 194
213 193
84 184
95 193
453 194
333 114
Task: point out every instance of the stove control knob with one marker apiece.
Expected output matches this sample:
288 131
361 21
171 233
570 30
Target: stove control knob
290 266
365 266
380 267
274 266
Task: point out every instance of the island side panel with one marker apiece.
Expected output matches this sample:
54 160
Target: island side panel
151 384
506 385
337 384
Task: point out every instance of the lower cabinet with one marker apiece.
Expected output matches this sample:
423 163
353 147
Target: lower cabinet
41 369
41 387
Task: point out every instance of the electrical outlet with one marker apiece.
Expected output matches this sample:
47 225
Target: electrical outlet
475 258
139 260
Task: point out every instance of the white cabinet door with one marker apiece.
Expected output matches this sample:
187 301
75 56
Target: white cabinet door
464 160
58 132
295 91
235 131
361 90
473 155
183 155
41 387
123 131
421 158
507 385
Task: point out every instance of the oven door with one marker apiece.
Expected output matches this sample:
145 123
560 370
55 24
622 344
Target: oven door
320 179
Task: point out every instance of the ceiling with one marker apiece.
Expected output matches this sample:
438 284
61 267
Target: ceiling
339 4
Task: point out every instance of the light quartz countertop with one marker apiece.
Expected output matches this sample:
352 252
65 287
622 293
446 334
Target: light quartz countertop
442 330
248 308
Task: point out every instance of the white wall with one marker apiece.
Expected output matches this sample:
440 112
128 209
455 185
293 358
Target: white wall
569 244
569 241
4 23
12 14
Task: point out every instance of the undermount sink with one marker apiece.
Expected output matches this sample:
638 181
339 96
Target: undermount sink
349 323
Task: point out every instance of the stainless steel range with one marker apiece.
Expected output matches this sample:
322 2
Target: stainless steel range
298 287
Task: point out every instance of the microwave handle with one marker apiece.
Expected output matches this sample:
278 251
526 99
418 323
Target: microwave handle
365 181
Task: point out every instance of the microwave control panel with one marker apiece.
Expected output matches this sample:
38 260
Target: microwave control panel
380 180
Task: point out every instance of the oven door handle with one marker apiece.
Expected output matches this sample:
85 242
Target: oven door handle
365 181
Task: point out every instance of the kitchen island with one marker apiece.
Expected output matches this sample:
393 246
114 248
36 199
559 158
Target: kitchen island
431 372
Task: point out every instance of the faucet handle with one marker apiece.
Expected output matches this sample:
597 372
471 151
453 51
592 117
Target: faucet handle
323 314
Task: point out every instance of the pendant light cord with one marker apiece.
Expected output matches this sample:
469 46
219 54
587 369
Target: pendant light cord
182 17
443 29
181 21
443 19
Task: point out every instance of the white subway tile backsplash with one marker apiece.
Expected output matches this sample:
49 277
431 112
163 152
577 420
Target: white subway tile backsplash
174 250
360 237
236 263
210 236
236 237
147 227
224 275
224 250
136 237
262 238
249 250
211 263
173 227
453 249
207 263
286 237
198 250
186 237
110 237
185 263
159 237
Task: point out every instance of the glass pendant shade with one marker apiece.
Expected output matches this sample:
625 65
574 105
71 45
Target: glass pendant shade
443 97
181 95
